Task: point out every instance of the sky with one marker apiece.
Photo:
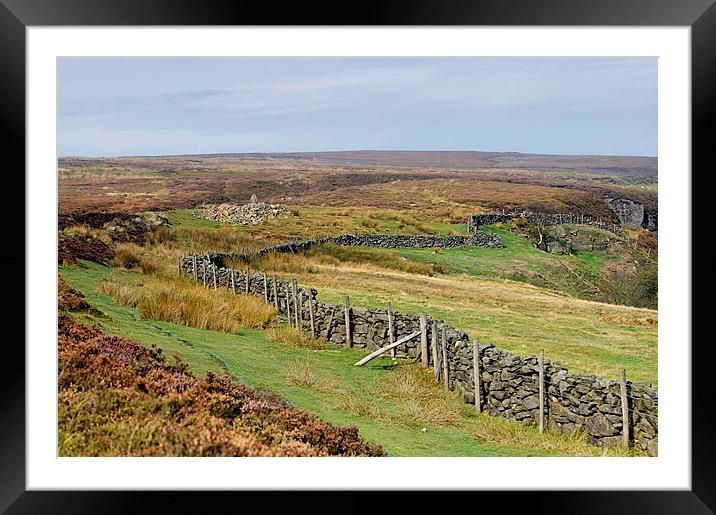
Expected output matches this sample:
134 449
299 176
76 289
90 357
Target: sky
163 106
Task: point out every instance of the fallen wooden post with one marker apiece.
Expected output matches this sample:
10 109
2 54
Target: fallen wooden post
382 350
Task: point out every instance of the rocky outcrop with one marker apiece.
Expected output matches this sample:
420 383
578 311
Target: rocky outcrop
134 229
633 213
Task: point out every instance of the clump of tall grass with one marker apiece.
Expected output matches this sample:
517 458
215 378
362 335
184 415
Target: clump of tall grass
127 256
303 374
201 239
500 431
181 301
123 293
85 231
420 399
329 255
292 337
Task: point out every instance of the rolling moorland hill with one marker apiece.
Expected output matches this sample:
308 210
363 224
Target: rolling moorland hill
589 309
429 185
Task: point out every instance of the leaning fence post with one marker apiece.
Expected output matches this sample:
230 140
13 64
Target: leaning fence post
541 390
625 411
391 329
446 379
424 341
436 359
275 294
347 313
265 288
310 314
476 374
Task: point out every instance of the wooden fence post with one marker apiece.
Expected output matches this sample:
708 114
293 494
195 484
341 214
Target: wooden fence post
248 281
424 341
265 288
391 329
436 359
330 324
446 379
310 314
294 286
213 271
347 313
625 411
196 272
203 273
300 309
541 390
288 305
233 281
476 374
275 294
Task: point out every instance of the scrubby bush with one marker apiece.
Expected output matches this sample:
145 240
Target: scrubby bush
118 398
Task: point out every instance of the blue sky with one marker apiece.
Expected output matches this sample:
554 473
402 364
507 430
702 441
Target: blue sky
152 106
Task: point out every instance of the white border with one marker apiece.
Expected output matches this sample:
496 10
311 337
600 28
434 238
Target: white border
671 470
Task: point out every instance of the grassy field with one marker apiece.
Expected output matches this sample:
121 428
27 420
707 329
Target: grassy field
411 417
518 297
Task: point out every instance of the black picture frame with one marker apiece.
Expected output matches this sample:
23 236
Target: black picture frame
700 15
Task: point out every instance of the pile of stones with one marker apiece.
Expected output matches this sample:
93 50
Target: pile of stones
253 213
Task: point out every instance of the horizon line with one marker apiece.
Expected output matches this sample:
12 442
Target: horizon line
355 150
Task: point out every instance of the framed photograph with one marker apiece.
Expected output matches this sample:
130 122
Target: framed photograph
421 251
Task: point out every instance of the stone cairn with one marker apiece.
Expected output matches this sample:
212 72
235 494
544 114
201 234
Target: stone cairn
253 213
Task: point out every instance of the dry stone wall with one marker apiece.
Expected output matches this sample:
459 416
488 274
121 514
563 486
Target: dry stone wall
475 221
509 384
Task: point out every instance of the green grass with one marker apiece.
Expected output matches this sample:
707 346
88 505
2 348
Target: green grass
312 221
186 218
518 260
252 359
